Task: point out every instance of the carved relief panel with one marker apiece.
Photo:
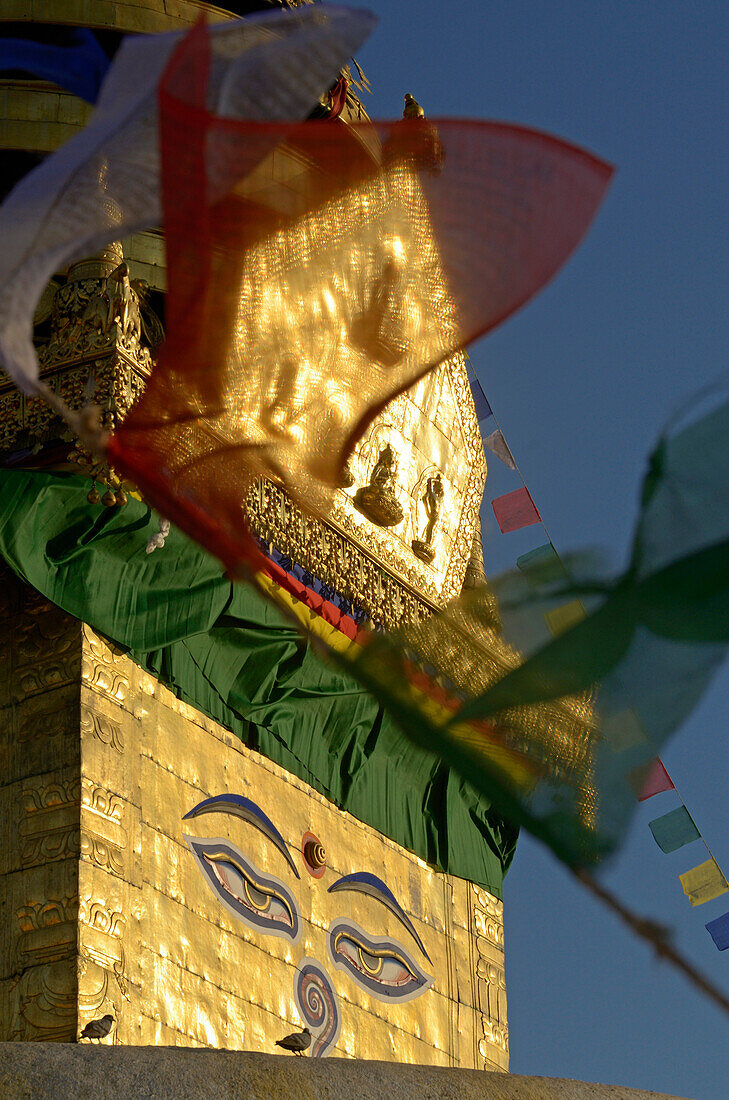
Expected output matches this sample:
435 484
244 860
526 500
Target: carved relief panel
421 523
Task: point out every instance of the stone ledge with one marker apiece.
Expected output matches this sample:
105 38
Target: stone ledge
71 1072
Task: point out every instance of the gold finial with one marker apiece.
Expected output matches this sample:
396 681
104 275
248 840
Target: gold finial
412 108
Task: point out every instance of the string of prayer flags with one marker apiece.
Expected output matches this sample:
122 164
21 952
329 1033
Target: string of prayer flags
498 446
674 829
719 931
515 510
635 667
704 883
74 61
649 779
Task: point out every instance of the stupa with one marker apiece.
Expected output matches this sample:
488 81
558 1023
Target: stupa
208 869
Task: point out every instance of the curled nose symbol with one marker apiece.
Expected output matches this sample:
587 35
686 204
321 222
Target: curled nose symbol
319 1006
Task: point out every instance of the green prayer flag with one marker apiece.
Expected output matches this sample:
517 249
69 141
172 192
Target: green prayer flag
673 830
542 563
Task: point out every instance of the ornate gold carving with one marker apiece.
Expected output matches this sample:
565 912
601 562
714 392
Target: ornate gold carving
102 727
49 829
488 917
433 501
378 499
102 675
103 838
48 930
100 940
92 316
45 1003
103 853
495 1034
46 722
10 417
488 928
99 350
332 557
100 801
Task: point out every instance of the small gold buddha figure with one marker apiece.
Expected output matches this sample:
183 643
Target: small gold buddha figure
378 500
433 501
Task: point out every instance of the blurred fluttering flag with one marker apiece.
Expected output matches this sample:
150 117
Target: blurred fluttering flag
76 63
542 563
316 271
104 184
640 660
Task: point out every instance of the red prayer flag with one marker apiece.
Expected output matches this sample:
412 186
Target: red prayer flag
649 779
315 272
515 510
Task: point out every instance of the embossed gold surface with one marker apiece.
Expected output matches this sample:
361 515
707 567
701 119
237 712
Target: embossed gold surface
102 905
106 910
434 428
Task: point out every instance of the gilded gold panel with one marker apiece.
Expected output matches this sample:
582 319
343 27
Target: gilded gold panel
199 971
214 930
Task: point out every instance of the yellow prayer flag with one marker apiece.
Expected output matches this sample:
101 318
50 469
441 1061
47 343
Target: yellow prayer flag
623 730
704 883
562 618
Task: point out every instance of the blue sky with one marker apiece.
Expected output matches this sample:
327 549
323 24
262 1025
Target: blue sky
582 380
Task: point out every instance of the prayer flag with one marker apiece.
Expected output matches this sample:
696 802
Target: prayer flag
480 400
541 565
78 64
649 779
268 66
315 272
564 617
673 830
704 883
623 731
515 510
498 446
719 931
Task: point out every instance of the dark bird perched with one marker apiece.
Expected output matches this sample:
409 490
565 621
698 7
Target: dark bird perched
298 1041
98 1029
412 108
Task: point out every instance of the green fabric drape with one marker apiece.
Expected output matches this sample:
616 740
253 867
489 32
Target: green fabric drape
222 648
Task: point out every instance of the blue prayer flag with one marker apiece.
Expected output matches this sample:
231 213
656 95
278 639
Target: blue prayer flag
480 400
719 931
673 830
79 67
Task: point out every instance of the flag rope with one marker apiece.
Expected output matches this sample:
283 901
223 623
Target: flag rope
646 929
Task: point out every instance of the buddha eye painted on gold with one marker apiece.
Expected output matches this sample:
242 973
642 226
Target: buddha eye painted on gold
381 966
260 901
